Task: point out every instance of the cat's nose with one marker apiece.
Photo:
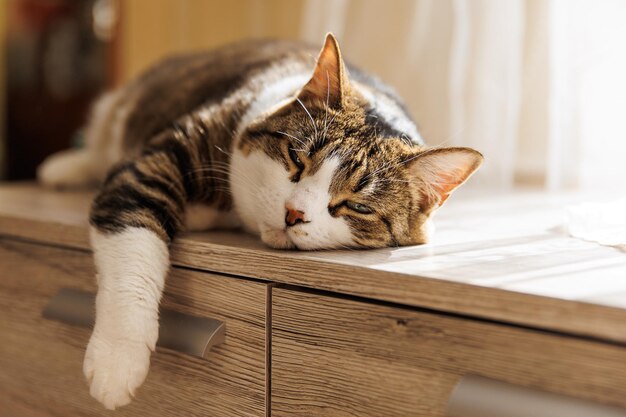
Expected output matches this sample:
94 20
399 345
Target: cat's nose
293 216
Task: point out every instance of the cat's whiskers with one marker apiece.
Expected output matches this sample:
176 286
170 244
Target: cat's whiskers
217 163
222 170
300 141
386 166
229 174
309 114
385 180
240 177
223 151
394 180
327 126
391 165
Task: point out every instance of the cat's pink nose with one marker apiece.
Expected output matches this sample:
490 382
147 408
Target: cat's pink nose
293 216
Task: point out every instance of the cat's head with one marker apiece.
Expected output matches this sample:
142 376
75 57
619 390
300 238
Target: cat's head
326 178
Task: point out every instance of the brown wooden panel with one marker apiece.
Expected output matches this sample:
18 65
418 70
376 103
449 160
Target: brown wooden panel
41 360
480 276
339 357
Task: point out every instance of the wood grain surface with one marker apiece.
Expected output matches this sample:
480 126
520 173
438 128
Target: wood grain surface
339 357
41 360
504 258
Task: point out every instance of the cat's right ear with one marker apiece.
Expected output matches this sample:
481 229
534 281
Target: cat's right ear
329 81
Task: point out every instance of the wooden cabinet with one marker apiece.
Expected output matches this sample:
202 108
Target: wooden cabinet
333 356
388 332
41 360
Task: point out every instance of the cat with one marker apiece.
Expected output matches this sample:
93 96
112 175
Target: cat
243 137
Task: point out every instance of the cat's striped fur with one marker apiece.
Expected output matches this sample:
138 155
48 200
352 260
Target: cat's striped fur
242 136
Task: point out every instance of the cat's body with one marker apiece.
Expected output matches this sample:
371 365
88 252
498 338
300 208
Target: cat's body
224 89
241 136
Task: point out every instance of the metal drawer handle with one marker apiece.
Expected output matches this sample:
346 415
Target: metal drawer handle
476 396
186 334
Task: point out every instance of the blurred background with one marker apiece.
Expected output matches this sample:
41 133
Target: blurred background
539 86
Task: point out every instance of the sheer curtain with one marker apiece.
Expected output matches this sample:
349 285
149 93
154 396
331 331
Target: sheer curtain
539 86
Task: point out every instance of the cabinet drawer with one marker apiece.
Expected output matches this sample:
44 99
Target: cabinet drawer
41 359
338 357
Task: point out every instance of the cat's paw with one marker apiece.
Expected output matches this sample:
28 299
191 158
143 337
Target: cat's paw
277 239
115 369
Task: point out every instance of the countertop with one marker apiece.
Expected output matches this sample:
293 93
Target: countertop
503 258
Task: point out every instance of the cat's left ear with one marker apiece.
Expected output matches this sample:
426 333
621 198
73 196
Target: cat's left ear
440 171
330 80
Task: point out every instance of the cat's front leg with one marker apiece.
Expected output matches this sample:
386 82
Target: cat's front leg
131 266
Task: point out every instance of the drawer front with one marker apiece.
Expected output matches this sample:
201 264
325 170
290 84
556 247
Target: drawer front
337 357
41 360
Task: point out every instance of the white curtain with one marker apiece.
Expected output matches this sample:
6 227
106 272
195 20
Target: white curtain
539 86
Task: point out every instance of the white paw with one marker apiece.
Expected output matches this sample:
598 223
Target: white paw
115 369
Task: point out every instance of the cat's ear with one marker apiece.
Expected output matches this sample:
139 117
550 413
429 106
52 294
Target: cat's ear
329 80
440 171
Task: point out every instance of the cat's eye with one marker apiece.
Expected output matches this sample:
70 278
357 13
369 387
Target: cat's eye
358 207
295 158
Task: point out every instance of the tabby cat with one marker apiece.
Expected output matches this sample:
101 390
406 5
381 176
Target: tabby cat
242 136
